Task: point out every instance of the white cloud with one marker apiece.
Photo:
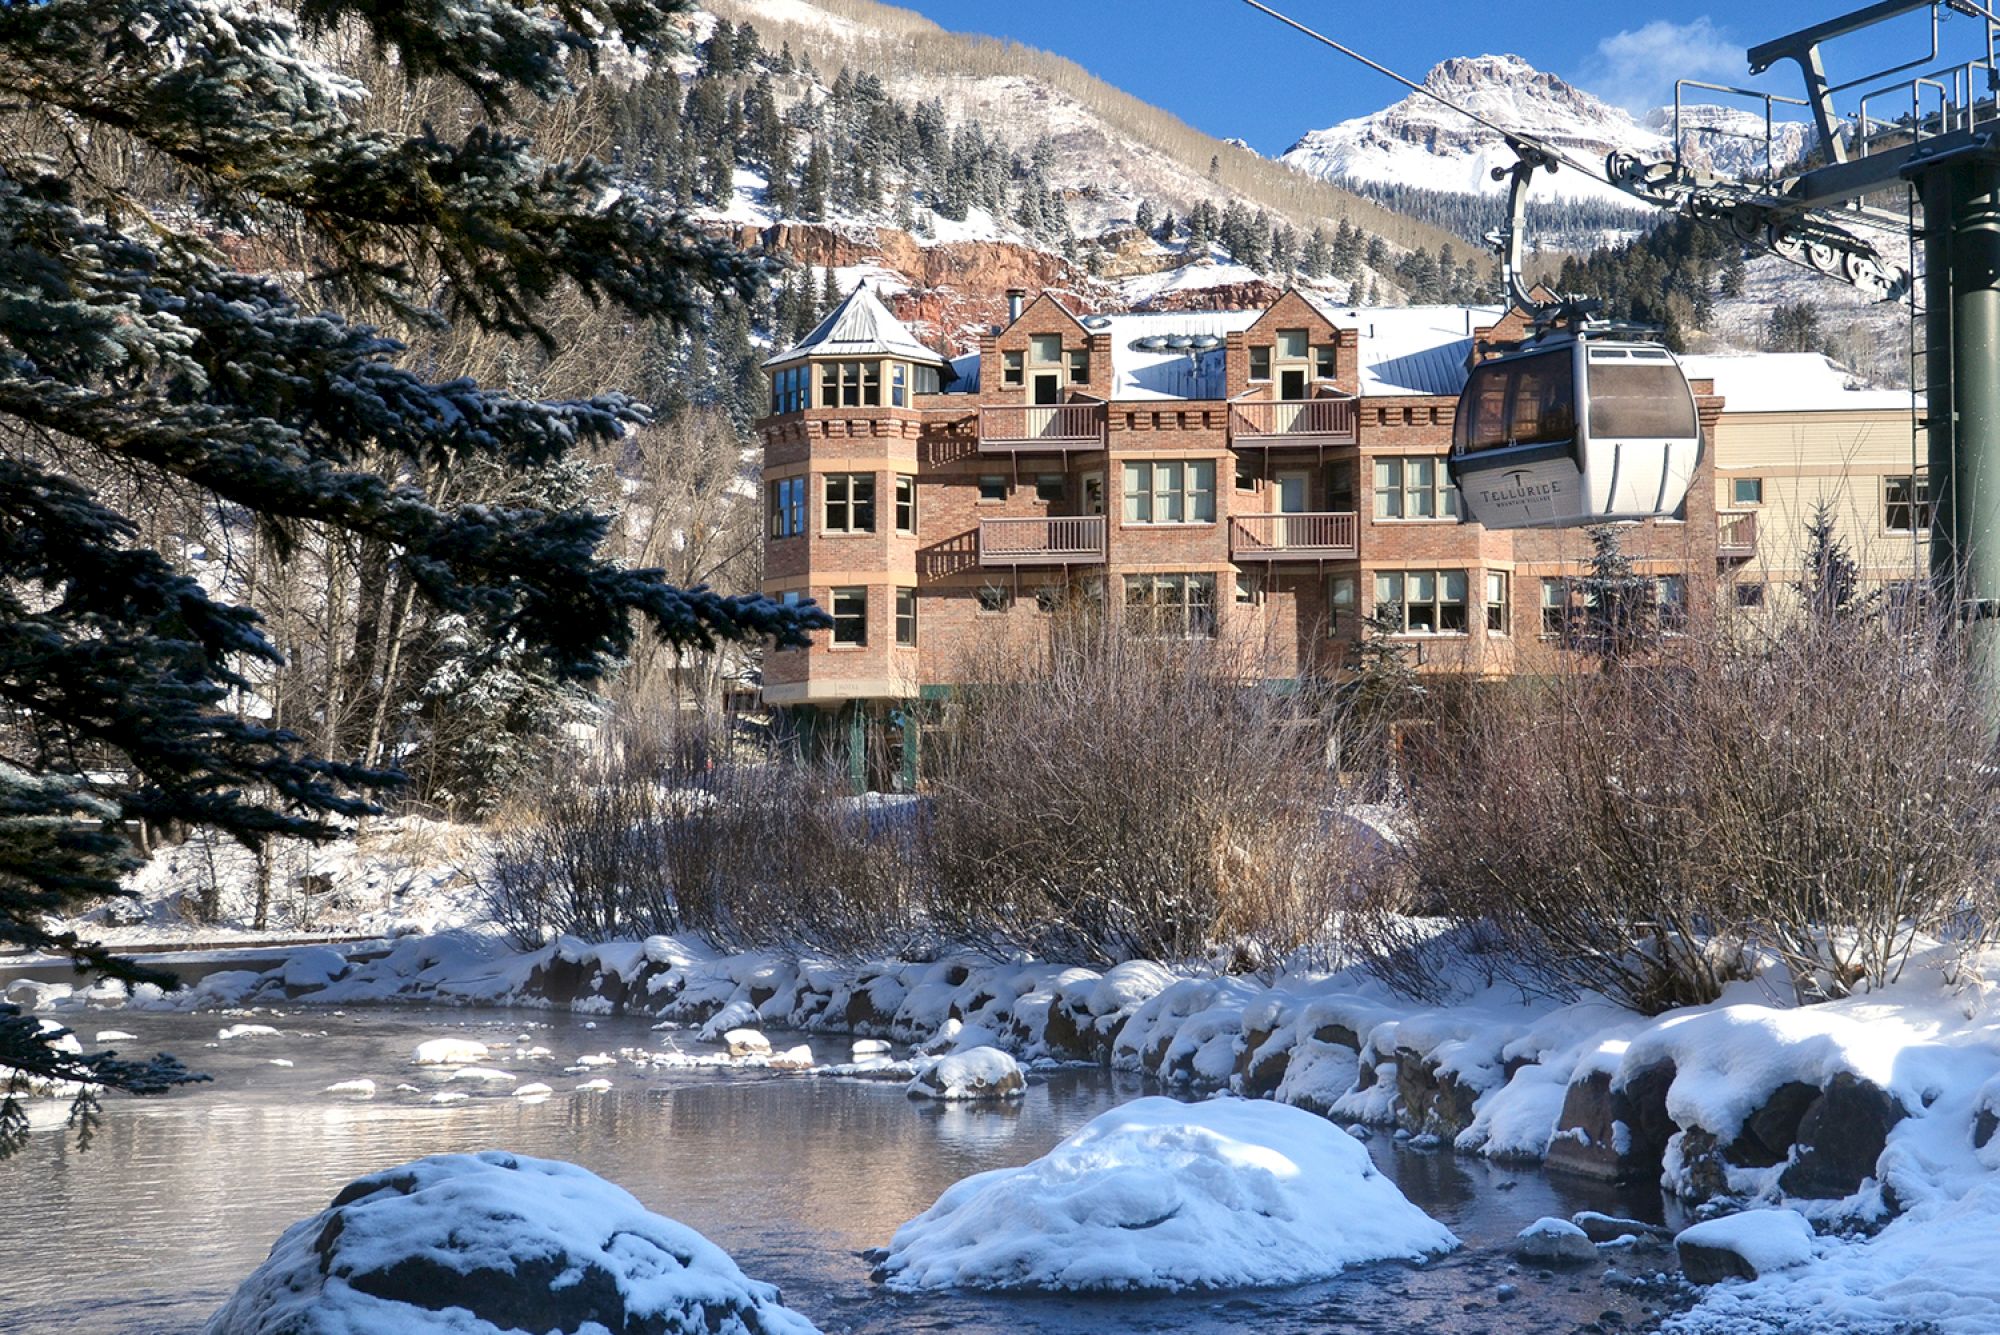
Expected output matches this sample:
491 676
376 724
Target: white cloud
1636 68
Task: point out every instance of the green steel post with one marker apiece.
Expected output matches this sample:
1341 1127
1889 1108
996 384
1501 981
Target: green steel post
1962 384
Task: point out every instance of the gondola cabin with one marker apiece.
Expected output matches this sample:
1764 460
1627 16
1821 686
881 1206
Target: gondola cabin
1572 430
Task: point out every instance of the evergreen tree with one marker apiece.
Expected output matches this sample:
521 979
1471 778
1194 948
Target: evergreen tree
130 345
1794 326
1319 254
1735 275
719 52
1142 217
1830 582
830 294
1620 613
1384 687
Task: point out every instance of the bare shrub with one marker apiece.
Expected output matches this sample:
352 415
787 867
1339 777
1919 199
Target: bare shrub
668 826
1824 793
1114 797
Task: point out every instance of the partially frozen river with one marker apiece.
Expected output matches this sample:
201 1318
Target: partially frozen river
180 1197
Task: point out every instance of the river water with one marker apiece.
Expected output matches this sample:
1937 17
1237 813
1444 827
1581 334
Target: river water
179 1197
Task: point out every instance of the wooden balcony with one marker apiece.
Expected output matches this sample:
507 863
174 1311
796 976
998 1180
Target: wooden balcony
1735 535
1063 426
1053 540
1329 536
1268 423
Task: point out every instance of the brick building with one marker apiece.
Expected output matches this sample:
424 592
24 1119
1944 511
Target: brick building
1269 474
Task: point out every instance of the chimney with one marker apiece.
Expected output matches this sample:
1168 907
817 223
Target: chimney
1017 297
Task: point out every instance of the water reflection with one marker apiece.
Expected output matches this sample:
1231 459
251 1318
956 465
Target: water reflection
180 1198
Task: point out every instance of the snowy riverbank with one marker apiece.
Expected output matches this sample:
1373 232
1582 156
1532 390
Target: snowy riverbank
1872 1119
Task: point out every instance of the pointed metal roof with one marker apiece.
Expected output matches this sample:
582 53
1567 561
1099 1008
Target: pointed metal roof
860 326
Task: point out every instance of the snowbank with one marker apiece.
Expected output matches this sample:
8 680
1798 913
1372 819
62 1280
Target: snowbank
464 1244
1166 1195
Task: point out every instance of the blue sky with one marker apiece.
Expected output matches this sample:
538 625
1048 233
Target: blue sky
1233 72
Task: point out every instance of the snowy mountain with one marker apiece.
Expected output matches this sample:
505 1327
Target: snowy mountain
1421 143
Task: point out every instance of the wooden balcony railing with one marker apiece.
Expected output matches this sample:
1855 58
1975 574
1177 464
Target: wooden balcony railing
1270 421
1735 534
1053 540
1283 537
1064 426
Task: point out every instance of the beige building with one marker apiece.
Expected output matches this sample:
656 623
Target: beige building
1796 434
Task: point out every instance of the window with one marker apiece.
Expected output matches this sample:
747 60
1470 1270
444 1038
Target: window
1174 606
1340 487
1010 368
787 505
1527 401
1174 492
906 503
1645 398
1414 489
1670 593
789 389
1746 491
791 599
928 380
1555 606
850 384
899 385
1292 344
850 502
1326 361
1045 349
1496 602
1260 363
1246 474
1079 365
1432 601
850 616
992 487
1339 604
1906 503
1749 595
1050 597
1249 588
906 617
995 598
1050 486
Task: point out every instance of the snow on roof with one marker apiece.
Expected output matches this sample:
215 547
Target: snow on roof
1412 349
1788 382
860 326
1161 370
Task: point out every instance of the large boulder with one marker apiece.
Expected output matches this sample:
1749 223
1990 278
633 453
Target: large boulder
1614 1129
1431 1103
1840 1137
1550 1241
972 1076
487 1243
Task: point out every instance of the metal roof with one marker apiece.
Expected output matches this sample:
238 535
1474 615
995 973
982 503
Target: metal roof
860 326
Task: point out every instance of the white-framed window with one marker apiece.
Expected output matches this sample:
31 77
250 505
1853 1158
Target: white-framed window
1498 619
786 505
906 617
1670 601
1045 349
906 503
1906 503
1174 491
1432 601
850 616
1170 606
1339 605
1555 606
1414 488
850 384
850 503
899 384
1746 491
1292 345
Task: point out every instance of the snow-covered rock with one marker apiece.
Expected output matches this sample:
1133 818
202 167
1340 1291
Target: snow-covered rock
799 1058
246 1031
1744 1246
448 1052
480 1244
1160 1194
1550 1241
747 1043
363 1088
979 1073
315 966
534 1089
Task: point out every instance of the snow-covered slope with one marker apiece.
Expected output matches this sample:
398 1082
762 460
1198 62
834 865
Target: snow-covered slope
1421 143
